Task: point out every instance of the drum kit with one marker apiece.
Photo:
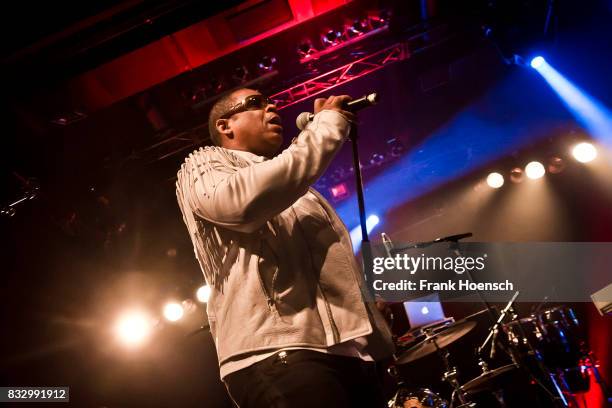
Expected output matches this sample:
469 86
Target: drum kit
544 360
549 363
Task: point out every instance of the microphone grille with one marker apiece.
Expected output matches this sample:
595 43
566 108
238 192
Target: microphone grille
302 120
373 98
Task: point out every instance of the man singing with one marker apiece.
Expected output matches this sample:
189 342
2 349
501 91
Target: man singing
286 310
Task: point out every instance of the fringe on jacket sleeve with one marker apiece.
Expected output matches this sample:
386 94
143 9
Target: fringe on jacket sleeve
203 165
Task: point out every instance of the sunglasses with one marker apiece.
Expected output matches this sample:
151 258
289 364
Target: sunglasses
251 102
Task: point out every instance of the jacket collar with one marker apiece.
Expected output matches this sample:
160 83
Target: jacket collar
250 157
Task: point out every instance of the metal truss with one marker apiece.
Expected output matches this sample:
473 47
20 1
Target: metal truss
342 75
181 142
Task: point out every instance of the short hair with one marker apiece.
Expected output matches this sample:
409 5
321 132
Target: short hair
222 106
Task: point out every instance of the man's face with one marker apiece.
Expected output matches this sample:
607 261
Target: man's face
259 130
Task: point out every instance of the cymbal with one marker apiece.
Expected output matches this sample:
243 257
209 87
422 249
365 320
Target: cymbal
442 339
490 380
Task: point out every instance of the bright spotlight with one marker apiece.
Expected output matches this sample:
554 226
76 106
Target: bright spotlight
203 293
495 180
584 152
535 170
133 328
537 62
371 222
173 311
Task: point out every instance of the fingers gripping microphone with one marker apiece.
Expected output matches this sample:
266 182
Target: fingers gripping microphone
355 105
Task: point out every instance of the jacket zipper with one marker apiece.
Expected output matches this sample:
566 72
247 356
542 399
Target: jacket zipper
269 299
334 328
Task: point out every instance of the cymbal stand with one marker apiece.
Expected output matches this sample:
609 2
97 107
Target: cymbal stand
450 374
492 335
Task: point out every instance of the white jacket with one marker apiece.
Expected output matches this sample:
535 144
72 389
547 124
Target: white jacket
276 255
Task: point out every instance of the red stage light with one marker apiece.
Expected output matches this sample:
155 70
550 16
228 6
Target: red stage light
339 191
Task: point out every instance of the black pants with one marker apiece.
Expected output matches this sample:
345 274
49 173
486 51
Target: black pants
304 378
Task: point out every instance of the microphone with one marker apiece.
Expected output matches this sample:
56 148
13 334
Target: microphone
389 248
364 102
353 106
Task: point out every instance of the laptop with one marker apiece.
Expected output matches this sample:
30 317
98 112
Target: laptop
424 311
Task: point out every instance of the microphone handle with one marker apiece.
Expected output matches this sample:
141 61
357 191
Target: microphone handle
363 102
353 106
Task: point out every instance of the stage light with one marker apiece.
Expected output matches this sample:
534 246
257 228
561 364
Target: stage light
173 311
584 152
516 175
377 21
377 159
266 64
214 86
359 27
535 170
537 62
339 191
595 117
203 293
241 74
422 168
188 306
338 174
305 49
495 180
331 38
556 165
133 328
396 147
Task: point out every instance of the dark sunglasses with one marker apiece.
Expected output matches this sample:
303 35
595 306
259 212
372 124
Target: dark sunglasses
251 102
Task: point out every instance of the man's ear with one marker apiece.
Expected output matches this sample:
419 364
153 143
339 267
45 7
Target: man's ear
224 128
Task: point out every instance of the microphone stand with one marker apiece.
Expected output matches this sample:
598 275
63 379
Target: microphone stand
366 249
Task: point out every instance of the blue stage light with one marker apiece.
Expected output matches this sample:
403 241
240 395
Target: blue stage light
371 222
470 141
537 62
588 111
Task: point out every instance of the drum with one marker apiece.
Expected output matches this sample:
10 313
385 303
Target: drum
563 347
556 339
419 398
526 337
